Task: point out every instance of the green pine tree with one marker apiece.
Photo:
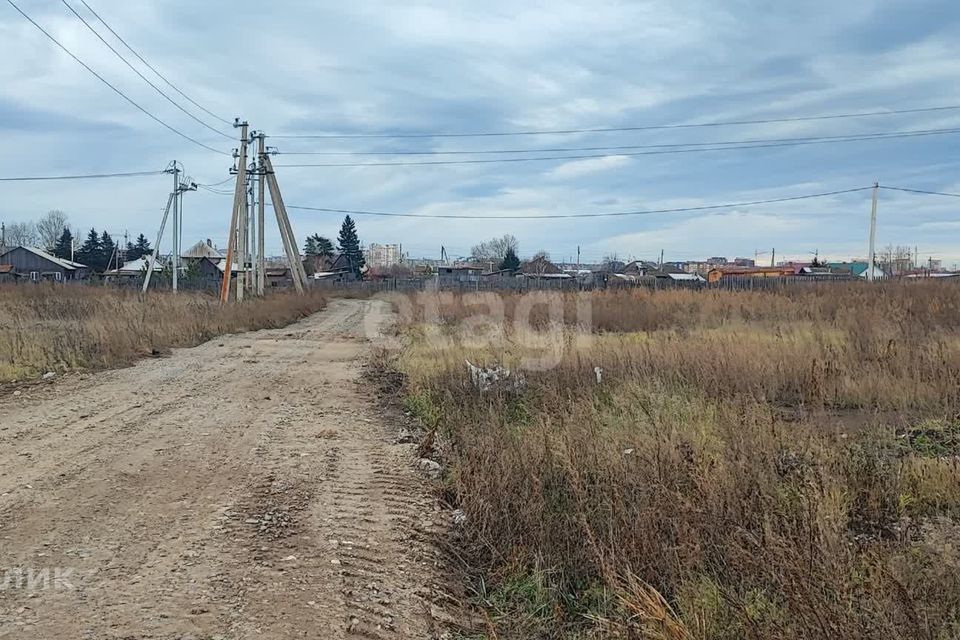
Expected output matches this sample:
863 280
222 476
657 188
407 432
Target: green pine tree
349 245
90 251
510 260
324 246
64 247
310 248
142 247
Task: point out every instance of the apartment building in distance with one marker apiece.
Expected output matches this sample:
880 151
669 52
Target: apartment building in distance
383 255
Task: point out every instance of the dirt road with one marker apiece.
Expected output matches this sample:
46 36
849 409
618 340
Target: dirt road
246 488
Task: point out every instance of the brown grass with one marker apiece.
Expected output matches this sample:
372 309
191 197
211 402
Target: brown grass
58 328
709 487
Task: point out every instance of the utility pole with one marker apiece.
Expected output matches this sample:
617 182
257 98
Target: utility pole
3 234
873 231
175 261
773 257
251 227
261 204
243 227
237 203
286 231
578 257
156 246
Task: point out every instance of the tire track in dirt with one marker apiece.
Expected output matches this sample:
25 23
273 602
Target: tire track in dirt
246 488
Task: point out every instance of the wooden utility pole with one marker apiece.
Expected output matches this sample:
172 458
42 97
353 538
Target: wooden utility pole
242 228
873 232
238 195
286 231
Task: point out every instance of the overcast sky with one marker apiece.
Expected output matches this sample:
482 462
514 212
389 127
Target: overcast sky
317 67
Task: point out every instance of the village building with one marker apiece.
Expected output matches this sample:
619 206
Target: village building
37 265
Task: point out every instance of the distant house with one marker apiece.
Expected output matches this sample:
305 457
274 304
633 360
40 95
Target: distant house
719 273
278 276
647 268
200 251
134 269
459 273
541 267
338 268
38 265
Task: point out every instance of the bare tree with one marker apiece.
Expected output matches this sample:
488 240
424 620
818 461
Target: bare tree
50 227
494 250
21 234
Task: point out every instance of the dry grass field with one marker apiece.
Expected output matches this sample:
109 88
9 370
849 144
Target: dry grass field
57 328
750 465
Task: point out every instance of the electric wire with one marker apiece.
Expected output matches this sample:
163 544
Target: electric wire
93 176
217 184
839 138
110 85
929 193
729 205
836 116
142 77
152 68
627 154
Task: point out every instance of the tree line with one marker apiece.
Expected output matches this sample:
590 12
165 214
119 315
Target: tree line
52 233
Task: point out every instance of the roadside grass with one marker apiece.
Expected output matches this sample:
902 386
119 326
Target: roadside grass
675 499
61 328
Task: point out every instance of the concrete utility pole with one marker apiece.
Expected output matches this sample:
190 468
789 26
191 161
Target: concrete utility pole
156 246
238 194
175 261
873 232
261 206
251 258
286 231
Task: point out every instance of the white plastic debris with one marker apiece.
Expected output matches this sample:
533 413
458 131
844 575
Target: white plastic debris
486 379
598 371
48 375
459 517
429 467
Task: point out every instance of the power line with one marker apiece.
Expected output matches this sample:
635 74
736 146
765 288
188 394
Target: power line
840 138
631 154
137 71
93 176
730 205
219 192
114 88
728 123
152 68
217 184
929 193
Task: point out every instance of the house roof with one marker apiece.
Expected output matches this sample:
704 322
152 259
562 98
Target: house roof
137 266
202 250
685 276
549 276
539 266
69 265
